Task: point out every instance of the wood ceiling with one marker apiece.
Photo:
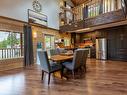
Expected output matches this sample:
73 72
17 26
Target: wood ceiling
78 2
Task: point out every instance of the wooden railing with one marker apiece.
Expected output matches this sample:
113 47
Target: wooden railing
10 53
107 18
91 9
96 7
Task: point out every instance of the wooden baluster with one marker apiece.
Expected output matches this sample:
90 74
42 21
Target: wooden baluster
2 53
14 52
7 53
10 52
20 52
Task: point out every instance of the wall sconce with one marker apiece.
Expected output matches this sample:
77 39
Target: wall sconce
34 34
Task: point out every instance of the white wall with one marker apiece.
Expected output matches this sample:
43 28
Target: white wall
17 9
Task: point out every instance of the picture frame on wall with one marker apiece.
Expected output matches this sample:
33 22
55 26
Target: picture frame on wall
37 18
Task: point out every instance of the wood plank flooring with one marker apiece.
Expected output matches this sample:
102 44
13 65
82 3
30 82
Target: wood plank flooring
102 78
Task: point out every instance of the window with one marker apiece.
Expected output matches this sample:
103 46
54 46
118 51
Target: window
10 45
69 15
49 42
78 12
111 5
93 10
96 7
108 6
67 42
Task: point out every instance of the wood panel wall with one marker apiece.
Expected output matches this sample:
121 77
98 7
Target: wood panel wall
117 41
9 64
40 36
14 26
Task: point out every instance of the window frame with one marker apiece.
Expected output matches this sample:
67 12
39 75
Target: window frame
8 53
50 41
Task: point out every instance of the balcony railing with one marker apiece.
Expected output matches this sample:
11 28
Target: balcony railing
8 53
91 9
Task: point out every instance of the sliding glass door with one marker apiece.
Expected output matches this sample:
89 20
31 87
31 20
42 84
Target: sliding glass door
49 42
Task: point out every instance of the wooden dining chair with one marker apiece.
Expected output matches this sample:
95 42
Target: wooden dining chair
75 64
53 52
47 66
84 59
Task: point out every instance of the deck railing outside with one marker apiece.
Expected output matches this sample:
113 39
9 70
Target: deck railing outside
10 53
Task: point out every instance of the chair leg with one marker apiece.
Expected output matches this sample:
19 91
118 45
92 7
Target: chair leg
80 68
81 71
73 73
85 68
62 72
42 75
48 78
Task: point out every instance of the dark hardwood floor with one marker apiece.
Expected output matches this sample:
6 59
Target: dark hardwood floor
102 78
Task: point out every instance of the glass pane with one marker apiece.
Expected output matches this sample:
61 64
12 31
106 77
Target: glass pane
10 45
49 42
66 42
3 39
52 42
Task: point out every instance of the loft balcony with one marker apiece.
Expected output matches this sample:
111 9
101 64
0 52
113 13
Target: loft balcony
93 14
103 19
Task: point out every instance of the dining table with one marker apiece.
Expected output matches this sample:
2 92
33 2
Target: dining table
59 59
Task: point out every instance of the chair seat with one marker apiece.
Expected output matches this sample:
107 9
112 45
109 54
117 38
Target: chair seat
68 65
47 65
55 66
53 62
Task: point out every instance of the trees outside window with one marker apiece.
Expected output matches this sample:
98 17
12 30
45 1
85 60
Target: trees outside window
10 45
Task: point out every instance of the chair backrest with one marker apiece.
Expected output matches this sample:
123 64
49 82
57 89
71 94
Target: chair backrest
53 52
56 51
84 57
44 62
77 59
60 50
